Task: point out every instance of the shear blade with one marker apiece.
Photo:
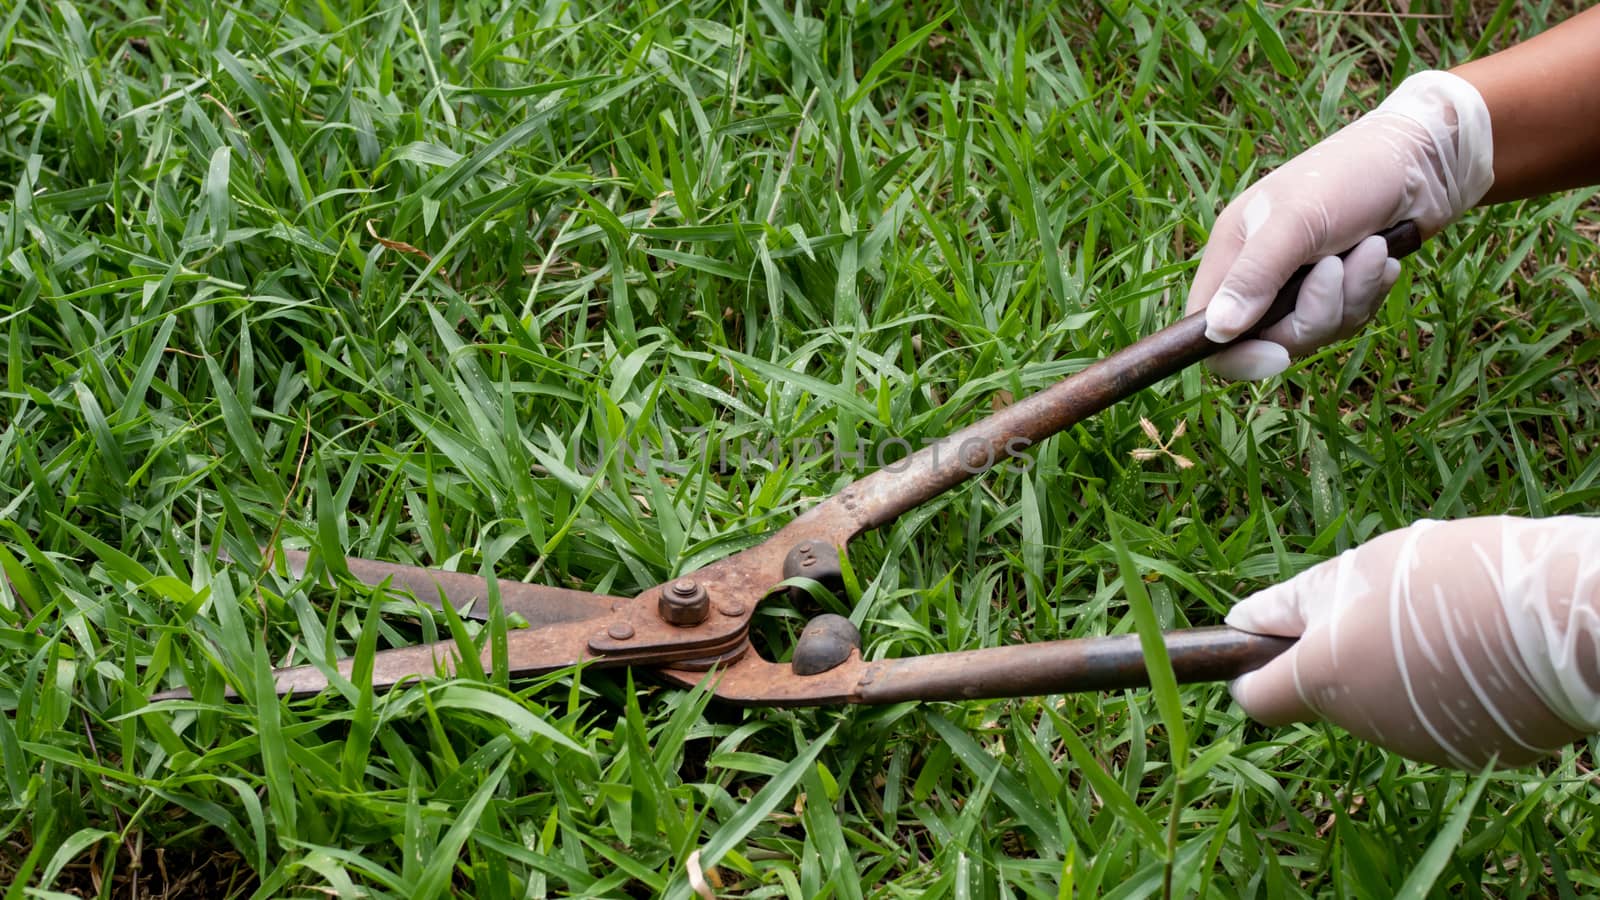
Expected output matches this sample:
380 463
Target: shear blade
530 652
537 604
556 636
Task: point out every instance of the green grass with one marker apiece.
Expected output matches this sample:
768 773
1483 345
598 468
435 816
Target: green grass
400 280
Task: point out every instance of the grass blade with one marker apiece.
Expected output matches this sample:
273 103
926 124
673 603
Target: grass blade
1419 883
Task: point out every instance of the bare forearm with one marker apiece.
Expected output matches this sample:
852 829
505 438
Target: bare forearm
1544 101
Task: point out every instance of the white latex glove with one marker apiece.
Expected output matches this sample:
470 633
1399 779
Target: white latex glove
1449 642
1425 154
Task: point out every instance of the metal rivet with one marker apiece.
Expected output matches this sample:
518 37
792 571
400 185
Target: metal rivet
620 631
732 609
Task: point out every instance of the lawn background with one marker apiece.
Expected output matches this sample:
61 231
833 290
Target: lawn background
487 286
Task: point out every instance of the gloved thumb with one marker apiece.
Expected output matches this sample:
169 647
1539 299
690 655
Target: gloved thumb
1271 694
1265 262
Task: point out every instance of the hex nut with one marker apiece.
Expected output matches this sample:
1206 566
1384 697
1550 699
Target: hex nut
684 603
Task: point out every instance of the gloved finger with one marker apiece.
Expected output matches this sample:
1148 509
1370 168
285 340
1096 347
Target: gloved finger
1269 256
1355 318
1318 310
1279 610
1249 361
1271 695
1368 276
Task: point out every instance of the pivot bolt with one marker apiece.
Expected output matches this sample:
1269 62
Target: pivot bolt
685 602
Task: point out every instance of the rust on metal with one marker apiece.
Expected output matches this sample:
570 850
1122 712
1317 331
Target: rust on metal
1070 666
827 641
537 604
884 495
670 626
684 602
1017 670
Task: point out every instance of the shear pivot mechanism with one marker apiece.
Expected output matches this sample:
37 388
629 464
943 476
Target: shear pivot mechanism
696 628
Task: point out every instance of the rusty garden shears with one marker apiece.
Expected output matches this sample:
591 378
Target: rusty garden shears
696 628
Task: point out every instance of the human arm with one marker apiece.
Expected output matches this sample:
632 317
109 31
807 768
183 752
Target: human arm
1457 643
1447 642
1543 98
1515 124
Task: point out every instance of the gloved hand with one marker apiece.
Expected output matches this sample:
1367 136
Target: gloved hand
1448 642
1425 154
